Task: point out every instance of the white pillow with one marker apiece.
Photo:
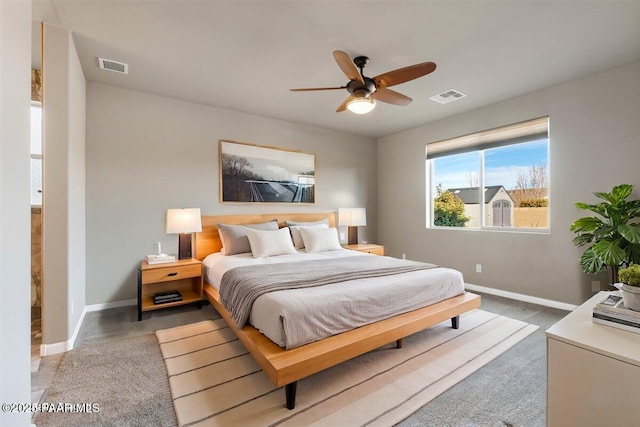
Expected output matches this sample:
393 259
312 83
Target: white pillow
265 243
297 237
234 239
320 239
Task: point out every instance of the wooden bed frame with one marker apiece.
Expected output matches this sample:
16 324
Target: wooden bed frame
286 367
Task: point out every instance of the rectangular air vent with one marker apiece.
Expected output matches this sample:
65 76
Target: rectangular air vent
115 66
448 96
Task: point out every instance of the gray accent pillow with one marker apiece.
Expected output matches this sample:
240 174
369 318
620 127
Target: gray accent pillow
234 237
295 229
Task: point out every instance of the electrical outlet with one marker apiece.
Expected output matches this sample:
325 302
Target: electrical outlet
478 268
404 256
595 286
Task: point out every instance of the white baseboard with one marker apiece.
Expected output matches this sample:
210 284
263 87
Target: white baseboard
49 349
55 348
77 329
115 304
61 347
521 297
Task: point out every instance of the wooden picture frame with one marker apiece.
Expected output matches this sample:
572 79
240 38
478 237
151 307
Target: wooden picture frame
252 173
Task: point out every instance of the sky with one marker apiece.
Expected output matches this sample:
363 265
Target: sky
502 165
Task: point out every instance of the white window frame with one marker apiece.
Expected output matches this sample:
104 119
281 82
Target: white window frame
527 131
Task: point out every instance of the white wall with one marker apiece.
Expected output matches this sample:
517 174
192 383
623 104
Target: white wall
63 224
15 214
594 134
146 154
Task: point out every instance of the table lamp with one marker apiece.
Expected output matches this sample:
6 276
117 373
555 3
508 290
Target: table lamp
352 218
184 222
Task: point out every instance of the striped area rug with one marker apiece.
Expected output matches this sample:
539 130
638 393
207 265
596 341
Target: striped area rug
215 382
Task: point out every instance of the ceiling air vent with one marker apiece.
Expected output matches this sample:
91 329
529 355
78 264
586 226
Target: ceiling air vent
448 96
118 67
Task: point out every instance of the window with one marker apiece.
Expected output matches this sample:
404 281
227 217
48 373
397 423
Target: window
36 154
495 179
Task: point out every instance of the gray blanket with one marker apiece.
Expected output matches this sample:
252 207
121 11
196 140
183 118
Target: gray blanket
241 286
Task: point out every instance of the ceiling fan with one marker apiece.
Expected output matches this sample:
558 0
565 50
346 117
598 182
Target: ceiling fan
365 91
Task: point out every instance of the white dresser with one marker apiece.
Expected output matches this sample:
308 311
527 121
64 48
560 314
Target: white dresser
593 372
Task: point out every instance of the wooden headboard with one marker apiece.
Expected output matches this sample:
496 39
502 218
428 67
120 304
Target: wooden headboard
208 240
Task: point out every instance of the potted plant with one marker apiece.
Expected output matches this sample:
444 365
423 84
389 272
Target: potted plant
630 286
613 235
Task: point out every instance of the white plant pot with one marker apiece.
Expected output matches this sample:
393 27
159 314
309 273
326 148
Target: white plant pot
630 296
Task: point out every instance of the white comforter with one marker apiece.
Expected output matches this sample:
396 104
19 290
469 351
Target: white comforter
292 318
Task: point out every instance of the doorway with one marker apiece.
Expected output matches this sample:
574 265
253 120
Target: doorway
501 213
36 211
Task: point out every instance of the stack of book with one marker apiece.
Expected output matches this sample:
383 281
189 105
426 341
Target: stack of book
165 297
160 259
611 311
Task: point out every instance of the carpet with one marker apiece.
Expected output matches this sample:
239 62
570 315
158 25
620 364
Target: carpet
215 382
126 378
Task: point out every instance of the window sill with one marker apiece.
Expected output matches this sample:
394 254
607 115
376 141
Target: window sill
496 229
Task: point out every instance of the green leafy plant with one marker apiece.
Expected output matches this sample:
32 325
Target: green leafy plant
612 236
448 209
630 275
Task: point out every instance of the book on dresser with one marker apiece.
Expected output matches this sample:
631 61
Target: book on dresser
611 311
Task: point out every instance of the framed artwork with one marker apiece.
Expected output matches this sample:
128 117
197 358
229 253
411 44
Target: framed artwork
257 174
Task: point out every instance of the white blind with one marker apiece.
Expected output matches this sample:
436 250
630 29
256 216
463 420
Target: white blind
516 133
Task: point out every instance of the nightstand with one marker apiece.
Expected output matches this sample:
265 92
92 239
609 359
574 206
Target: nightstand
184 276
367 247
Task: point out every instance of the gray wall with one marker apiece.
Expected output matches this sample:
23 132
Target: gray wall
594 134
76 189
146 154
63 220
15 227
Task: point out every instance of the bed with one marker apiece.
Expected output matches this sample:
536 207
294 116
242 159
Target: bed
285 366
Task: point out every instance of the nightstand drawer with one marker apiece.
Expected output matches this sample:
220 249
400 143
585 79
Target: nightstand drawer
368 248
375 251
171 273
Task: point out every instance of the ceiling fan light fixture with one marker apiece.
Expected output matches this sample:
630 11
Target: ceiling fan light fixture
361 105
362 88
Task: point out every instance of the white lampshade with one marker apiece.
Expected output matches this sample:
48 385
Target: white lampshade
183 221
361 105
352 217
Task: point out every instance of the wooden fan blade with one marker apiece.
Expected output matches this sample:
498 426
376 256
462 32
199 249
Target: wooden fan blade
317 88
405 74
347 66
390 96
343 106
